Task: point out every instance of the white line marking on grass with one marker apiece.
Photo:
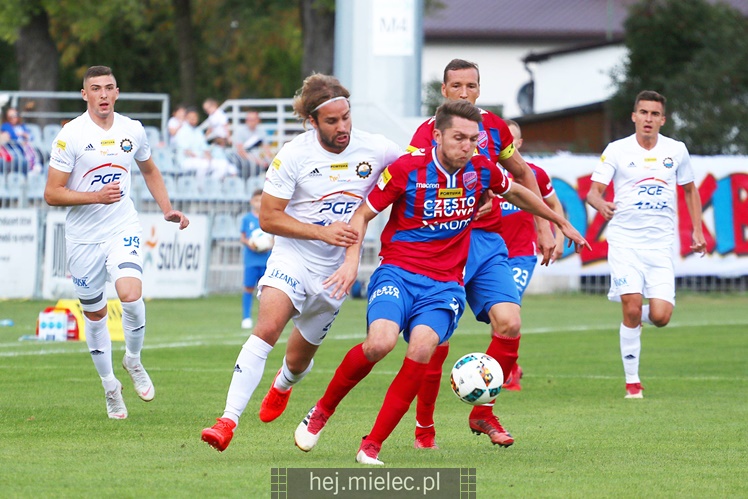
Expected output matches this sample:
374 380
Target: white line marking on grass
237 339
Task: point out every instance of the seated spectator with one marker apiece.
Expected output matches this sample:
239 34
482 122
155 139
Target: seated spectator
194 153
175 122
250 141
15 132
218 124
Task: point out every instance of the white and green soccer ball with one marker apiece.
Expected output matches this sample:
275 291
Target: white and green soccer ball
477 378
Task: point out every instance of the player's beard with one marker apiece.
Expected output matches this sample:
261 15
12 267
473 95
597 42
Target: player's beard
332 143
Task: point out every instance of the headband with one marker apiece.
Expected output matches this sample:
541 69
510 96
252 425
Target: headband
340 97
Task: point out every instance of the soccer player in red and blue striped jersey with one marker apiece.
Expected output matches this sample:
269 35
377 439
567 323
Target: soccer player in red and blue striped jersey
489 283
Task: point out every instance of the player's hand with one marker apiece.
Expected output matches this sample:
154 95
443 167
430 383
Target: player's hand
110 193
698 243
558 251
486 203
574 237
177 217
606 210
339 234
546 242
341 281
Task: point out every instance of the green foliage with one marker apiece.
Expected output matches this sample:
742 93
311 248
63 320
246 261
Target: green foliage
243 49
696 54
432 97
576 436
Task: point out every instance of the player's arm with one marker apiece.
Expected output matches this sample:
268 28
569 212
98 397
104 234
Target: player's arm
343 278
523 175
155 183
693 203
555 204
524 199
56 192
275 220
597 201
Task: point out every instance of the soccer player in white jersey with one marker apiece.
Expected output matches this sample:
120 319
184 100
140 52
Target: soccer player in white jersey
90 167
646 169
312 188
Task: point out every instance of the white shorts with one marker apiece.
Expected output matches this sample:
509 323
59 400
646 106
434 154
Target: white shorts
92 265
315 308
648 272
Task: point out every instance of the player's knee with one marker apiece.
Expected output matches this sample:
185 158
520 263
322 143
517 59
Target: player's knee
660 319
376 347
508 325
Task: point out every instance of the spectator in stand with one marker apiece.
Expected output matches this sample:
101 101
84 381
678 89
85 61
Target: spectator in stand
194 153
15 132
250 141
176 120
218 124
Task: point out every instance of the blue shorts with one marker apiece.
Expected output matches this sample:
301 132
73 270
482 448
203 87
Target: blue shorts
411 300
488 277
252 275
522 269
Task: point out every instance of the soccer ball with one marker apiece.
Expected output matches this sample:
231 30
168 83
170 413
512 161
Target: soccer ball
262 240
477 378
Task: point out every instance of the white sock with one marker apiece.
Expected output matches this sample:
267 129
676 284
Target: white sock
287 379
645 315
631 346
247 374
100 346
133 325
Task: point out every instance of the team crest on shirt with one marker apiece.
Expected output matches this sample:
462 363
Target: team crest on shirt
470 179
482 139
363 169
126 145
668 162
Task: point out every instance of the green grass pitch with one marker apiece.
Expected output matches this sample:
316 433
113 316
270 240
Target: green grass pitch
576 436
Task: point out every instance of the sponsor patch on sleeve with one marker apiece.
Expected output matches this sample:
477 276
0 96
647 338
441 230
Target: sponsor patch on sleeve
276 163
60 145
384 178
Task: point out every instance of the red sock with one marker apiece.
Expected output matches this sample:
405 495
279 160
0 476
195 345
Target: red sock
506 351
430 387
354 367
397 401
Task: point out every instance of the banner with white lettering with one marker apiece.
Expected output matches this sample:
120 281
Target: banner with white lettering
722 182
175 262
19 242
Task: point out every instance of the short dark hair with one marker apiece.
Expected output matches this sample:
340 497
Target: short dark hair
650 95
257 192
458 64
95 71
460 108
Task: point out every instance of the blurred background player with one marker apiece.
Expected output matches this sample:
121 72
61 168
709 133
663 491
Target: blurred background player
313 186
255 261
518 231
645 169
489 283
90 172
434 193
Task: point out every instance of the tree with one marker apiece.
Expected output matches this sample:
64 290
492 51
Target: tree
318 26
675 49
